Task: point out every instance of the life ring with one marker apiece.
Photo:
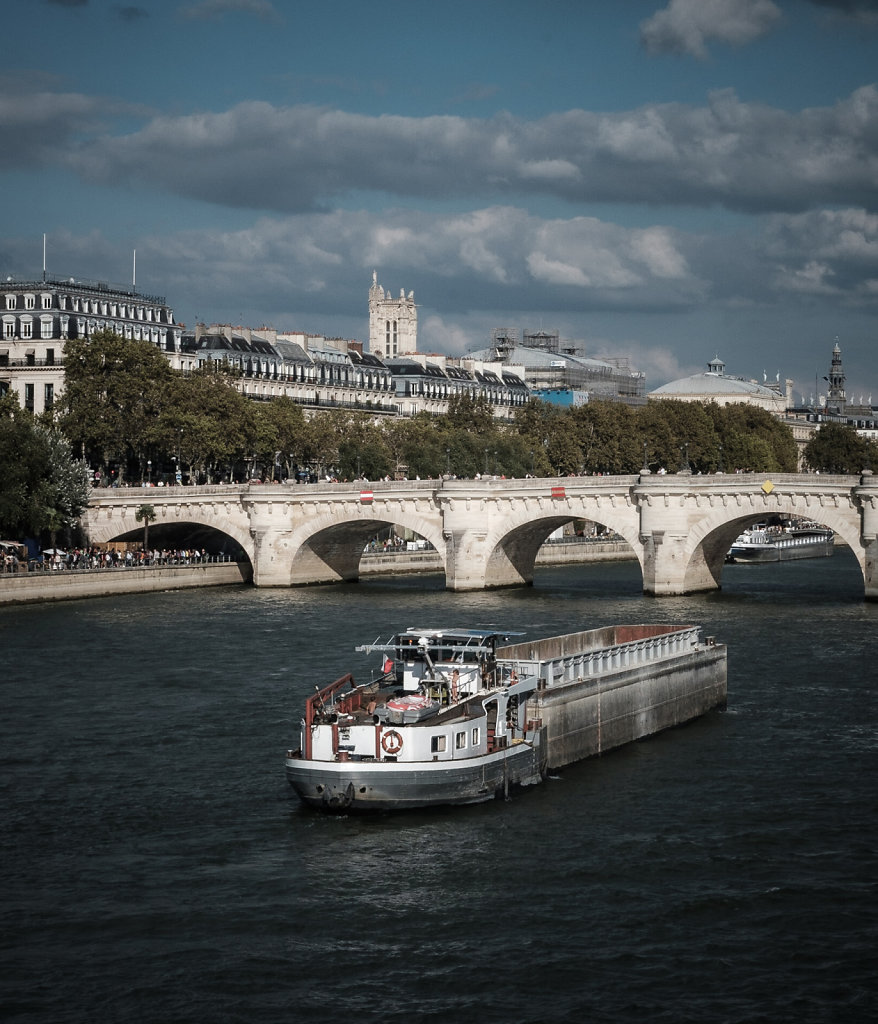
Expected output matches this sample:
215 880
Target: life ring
391 742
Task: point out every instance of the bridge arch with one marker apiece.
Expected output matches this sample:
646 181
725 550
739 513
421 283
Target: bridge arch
183 527
327 547
711 538
519 528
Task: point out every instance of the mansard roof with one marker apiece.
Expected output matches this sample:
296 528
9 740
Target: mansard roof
292 352
365 359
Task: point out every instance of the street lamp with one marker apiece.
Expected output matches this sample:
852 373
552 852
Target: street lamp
645 463
719 468
148 472
684 458
486 462
531 463
448 462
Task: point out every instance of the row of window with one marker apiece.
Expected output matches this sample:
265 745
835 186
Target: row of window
439 744
100 307
323 373
23 327
496 396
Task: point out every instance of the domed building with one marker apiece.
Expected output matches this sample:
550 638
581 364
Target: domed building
717 386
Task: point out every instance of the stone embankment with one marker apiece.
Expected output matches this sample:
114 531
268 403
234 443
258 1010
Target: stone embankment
65 584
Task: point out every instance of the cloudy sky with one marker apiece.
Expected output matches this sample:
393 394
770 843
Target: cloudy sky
662 179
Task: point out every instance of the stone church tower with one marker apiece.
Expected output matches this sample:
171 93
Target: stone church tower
393 323
837 398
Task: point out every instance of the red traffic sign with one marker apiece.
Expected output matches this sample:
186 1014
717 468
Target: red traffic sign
559 492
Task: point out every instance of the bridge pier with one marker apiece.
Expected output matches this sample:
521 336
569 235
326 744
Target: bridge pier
669 563
470 566
867 493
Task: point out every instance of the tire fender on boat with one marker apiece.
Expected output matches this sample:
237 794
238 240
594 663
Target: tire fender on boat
391 742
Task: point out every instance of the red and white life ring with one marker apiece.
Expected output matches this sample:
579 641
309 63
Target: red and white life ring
391 742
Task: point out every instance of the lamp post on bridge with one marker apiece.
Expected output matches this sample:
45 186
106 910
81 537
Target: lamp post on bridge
684 458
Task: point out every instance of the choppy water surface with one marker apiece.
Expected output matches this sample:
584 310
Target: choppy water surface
156 868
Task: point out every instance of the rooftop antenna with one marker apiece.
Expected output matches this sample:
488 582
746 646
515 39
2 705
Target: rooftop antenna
44 257
134 272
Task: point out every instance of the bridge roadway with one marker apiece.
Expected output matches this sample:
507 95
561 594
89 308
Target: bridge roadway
488 531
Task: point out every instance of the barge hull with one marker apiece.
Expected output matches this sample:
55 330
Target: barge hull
585 718
376 786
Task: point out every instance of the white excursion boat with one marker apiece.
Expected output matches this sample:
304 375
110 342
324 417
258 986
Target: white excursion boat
763 543
452 717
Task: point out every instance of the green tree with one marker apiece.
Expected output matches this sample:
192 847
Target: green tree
145 514
837 448
42 487
473 414
753 439
210 421
114 393
693 432
605 433
284 422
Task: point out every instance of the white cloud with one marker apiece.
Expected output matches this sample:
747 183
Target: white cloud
687 26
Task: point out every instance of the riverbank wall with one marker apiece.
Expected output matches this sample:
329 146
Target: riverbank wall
65 584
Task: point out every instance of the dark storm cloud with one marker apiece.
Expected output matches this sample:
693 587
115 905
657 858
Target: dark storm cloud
38 124
744 156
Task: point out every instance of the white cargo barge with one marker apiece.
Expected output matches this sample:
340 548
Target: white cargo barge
456 718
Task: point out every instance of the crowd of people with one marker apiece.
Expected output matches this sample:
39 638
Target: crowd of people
110 558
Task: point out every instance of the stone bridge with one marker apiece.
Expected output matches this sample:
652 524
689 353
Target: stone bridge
488 531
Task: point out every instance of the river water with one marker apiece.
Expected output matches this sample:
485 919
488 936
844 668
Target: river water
155 867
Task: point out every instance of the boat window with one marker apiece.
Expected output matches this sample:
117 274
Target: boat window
437 744
460 741
476 736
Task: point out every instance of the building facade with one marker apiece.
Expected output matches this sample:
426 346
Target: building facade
559 373
39 317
